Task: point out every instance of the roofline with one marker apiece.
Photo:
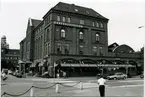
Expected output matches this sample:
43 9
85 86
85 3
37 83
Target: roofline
51 10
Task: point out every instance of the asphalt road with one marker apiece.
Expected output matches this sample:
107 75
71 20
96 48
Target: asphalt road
128 87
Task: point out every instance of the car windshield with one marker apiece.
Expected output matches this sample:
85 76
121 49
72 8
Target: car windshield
118 73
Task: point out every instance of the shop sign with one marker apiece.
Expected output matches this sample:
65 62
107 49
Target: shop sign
67 24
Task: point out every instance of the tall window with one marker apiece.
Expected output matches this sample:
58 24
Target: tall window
93 24
68 20
58 18
81 49
97 37
101 25
58 48
101 50
47 35
66 48
62 33
81 36
63 19
97 24
81 21
94 50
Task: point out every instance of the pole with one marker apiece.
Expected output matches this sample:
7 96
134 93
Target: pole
57 88
32 92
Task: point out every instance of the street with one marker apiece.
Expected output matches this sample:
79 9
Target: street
71 86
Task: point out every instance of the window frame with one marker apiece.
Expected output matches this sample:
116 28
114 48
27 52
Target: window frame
62 33
58 18
82 22
97 37
63 19
81 35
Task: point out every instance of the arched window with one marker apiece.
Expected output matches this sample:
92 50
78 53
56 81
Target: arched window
101 25
81 36
97 37
62 33
97 24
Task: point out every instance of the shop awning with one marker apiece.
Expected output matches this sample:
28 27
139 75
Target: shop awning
93 65
65 65
84 65
115 65
75 65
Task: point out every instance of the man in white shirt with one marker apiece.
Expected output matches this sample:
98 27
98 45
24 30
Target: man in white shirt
102 82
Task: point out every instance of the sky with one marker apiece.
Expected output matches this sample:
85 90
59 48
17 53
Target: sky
125 16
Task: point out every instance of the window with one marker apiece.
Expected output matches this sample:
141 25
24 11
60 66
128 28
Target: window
62 33
68 20
63 19
97 24
97 37
93 24
47 35
101 25
66 48
94 50
81 36
81 49
58 18
101 50
81 21
76 10
58 48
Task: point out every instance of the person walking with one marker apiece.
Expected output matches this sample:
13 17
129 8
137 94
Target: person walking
102 82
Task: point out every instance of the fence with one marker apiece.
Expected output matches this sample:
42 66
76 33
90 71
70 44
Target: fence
31 89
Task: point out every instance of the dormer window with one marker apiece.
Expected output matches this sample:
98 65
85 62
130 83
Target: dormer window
76 10
87 12
68 20
93 24
101 25
63 19
58 18
97 24
81 21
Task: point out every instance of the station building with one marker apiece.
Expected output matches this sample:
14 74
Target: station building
74 39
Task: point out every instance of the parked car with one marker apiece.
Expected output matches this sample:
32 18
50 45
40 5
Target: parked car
142 76
5 71
19 75
10 72
117 76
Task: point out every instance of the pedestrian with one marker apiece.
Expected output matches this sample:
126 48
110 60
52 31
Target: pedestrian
102 82
64 74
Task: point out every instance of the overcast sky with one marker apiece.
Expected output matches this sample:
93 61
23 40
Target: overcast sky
125 16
